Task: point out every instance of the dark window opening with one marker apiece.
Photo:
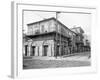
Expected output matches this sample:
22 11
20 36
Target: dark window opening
26 50
45 50
58 49
42 28
33 51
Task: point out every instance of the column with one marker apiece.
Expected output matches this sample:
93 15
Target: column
36 51
40 50
53 50
49 50
29 50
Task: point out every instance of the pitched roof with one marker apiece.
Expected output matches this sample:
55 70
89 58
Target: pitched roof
77 28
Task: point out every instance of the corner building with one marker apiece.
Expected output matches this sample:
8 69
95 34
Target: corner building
48 37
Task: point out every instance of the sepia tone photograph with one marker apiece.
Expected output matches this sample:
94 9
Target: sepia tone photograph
56 39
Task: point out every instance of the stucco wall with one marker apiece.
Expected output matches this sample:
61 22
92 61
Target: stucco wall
39 45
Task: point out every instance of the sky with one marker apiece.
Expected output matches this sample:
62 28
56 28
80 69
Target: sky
69 19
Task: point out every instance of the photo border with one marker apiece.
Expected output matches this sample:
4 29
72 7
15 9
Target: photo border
16 69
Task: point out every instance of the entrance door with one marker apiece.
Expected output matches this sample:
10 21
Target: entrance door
26 50
45 50
33 51
58 49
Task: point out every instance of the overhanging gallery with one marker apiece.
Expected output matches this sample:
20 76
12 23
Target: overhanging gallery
50 37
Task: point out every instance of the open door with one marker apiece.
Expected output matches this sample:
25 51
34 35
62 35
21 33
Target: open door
26 50
33 51
45 50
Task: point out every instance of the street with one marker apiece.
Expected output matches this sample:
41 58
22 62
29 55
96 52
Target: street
77 60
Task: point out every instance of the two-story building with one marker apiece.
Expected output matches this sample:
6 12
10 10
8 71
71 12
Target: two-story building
49 37
79 38
87 46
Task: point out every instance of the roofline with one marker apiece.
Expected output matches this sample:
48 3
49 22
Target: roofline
64 26
77 27
51 19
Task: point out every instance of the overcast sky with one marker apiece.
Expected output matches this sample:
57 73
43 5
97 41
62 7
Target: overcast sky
68 19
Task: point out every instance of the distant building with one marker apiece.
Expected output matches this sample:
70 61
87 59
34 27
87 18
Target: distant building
79 38
86 43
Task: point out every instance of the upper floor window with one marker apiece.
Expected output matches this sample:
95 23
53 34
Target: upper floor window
37 31
30 30
49 24
42 28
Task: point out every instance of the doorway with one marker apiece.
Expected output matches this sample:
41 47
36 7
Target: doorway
33 51
45 50
26 50
58 49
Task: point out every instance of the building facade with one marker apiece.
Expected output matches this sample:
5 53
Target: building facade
50 37
79 38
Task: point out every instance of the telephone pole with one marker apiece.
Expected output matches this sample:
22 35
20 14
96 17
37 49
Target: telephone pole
57 35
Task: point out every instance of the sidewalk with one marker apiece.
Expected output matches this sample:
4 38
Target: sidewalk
71 58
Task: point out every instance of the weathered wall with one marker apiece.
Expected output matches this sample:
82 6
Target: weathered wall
39 47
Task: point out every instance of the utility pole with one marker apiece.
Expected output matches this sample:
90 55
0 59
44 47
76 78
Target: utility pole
60 51
57 35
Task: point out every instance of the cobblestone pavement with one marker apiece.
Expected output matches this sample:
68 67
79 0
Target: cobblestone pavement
52 62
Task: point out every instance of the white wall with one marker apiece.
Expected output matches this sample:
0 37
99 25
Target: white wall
40 44
5 41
